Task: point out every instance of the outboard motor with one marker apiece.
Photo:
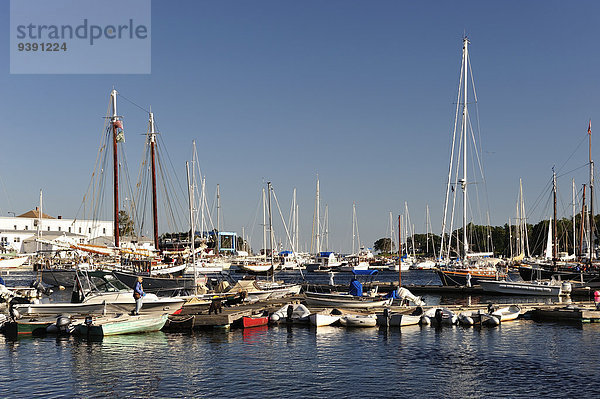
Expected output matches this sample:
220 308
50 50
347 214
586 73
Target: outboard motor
417 312
62 326
439 315
37 284
14 314
566 288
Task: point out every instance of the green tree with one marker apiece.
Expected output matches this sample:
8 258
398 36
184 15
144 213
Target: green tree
384 245
126 225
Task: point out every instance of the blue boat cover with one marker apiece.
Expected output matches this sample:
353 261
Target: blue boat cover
356 288
392 294
364 272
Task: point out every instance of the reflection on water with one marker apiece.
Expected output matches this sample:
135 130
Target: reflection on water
516 359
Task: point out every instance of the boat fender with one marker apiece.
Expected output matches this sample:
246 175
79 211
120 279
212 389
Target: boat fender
425 320
274 318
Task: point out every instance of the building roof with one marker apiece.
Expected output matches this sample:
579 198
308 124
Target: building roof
35 214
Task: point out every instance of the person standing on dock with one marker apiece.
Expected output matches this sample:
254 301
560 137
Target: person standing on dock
138 295
597 299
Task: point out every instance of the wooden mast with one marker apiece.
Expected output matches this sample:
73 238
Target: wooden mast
115 124
152 136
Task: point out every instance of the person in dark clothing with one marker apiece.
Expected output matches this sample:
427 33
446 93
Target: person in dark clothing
290 312
138 295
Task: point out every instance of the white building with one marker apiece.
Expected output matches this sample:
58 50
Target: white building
19 233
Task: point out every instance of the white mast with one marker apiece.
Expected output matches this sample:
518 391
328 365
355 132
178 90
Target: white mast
271 231
463 181
264 224
391 233
316 223
573 200
353 226
39 232
218 220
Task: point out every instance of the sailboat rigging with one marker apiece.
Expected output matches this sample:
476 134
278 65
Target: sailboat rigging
468 267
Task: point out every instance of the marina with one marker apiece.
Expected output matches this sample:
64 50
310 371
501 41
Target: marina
299 200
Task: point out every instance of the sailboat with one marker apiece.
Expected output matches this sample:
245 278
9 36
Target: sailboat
584 270
469 267
262 265
402 265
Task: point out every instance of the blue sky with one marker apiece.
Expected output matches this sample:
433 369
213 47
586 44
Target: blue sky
360 92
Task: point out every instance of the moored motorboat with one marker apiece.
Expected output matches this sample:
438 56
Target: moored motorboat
541 288
342 300
358 320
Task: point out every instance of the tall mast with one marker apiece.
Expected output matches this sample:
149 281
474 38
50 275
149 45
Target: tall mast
114 119
326 227
192 227
573 200
399 250
510 239
318 218
554 232
218 220
270 230
463 181
582 223
426 228
39 226
353 226
152 137
592 221
391 232
264 199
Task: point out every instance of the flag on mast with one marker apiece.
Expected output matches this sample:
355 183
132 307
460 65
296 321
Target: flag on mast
590 127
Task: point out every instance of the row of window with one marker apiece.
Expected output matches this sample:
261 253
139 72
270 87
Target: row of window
60 229
18 239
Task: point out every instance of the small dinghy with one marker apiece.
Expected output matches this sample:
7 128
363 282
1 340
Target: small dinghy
325 317
466 319
489 320
507 313
297 314
358 320
390 319
439 316
254 321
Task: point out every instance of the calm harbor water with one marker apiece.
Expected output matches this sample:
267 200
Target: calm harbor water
518 359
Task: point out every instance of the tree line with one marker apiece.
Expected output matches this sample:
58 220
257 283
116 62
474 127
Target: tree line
496 239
